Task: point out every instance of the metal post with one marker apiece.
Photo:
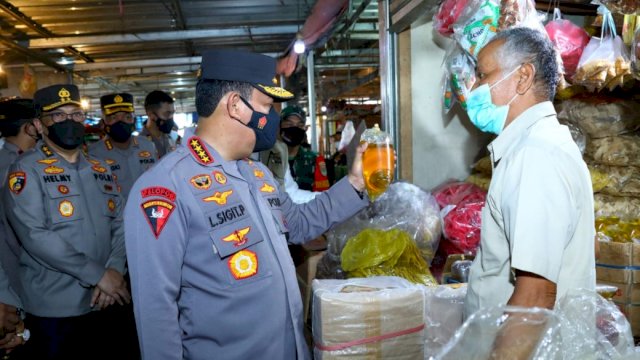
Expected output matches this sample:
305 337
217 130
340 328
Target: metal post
388 78
311 90
283 84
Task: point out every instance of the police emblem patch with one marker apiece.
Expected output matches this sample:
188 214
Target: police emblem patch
53 170
258 173
238 237
201 182
63 189
48 161
220 177
266 188
158 191
100 169
66 208
17 181
243 264
219 198
111 205
262 122
144 154
157 213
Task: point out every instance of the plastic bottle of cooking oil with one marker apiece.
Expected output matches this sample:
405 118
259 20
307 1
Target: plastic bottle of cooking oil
378 161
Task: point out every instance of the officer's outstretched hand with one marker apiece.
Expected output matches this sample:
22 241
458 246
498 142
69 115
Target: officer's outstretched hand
355 174
9 320
113 284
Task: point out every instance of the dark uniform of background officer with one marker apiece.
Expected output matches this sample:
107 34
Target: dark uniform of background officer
128 156
207 229
160 109
19 133
67 213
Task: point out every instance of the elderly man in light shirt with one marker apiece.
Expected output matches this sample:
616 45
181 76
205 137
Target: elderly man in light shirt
538 222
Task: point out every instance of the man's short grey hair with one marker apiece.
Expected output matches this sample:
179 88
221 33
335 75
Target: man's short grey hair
525 45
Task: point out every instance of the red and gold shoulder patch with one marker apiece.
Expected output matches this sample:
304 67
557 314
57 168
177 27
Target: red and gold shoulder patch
199 151
110 161
201 182
258 173
144 154
158 191
157 213
111 205
108 144
219 198
17 181
51 169
63 189
100 169
266 188
47 161
243 264
238 237
220 177
66 208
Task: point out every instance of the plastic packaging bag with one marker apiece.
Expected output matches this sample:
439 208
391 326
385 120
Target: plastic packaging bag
635 54
461 72
569 39
604 62
480 180
622 6
599 179
403 206
461 205
443 315
477 25
617 150
375 252
602 116
577 134
621 180
447 14
625 208
583 325
372 318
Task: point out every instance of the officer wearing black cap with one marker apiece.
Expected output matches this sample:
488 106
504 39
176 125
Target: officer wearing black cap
19 133
206 229
66 211
160 110
128 156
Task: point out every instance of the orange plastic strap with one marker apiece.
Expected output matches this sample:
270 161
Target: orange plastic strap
349 344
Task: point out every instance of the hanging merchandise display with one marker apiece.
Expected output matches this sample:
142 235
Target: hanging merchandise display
569 39
447 14
477 25
635 53
604 62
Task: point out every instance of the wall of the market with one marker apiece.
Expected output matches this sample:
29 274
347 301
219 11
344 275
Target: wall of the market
445 146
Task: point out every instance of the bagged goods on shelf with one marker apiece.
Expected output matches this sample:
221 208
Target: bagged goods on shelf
621 180
601 116
625 208
569 39
447 14
616 150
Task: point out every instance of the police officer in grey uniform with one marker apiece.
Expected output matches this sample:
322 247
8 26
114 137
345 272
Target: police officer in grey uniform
206 229
19 133
160 109
128 156
66 211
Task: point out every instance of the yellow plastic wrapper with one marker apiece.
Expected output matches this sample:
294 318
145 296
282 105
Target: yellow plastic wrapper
611 228
483 165
481 180
375 252
599 179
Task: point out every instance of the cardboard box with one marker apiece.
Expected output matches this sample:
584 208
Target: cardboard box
627 293
624 254
349 316
616 275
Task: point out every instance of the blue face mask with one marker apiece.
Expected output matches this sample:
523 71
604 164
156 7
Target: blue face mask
484 114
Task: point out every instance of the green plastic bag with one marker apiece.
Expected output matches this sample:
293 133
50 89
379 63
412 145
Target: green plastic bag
375 252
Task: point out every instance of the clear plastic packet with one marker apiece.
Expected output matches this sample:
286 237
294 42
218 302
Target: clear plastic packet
477 25
621 180
569 39
624 208
620 150
601 116
447 14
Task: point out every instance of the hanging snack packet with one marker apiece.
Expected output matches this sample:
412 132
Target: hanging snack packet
477 25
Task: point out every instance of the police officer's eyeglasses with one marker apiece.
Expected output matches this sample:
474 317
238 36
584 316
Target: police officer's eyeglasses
59 116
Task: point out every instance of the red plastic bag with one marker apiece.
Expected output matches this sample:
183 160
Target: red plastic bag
453 192
569 39
447 14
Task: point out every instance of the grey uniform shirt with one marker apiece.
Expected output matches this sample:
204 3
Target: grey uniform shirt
539 212
126 164
68 218
164 144
9 247
207 252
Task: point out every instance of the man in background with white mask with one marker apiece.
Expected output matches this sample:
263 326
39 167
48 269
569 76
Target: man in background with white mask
538 222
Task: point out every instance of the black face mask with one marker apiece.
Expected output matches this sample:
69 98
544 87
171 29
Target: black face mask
120 131
293 136
265 126
67 134
164 125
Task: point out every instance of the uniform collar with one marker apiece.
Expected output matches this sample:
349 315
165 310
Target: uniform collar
501 145
12 147
108 142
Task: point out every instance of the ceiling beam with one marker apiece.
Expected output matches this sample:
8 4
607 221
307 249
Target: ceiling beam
35 26
160 36
334 92
144 63
404 15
